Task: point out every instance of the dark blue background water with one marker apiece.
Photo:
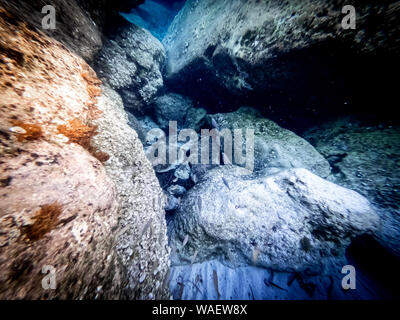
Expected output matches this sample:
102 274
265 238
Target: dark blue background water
155 15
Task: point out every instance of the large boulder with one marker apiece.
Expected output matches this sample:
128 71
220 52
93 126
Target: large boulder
155 16
274 146
59 208
289 221
285 56
79 23
365 159
195 118
171 107
75 27
71 205
130 62
141 244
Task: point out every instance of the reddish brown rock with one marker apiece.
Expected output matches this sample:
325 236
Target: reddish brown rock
58 206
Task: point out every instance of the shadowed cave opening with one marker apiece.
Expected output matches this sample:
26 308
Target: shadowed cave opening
375 264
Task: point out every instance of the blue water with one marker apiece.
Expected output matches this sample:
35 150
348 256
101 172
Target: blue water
154 16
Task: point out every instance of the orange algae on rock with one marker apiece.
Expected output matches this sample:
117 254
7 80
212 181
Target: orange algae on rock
82 134
45 220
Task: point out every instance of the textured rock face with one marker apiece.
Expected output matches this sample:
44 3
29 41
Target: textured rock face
365 159
75 27
76 239
274 147
290 221
171 107
155 16
59 206
276 25
79 23
289 52
130 63
142 242
195 118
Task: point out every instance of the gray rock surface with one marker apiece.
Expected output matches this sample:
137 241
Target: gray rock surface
285 57
365 159
274 147
75 26
248 35
92 212
289 221
130 63
171 107
141 244
145 124
195 119
176 190
172 203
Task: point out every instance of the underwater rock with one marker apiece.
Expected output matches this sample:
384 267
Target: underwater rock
171 107
91 210
142 242
274 147
75 26
255 283
154 16
130 63
142 125
176 190
294 219
195 119
199 170
182 172
365 159
278 54
58 208
79 23
136 125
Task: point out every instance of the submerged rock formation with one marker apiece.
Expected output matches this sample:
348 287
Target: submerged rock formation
286 57
130 62
274 147
289 221
80 199
365 159
60 207
75 27
196 282
141 241
171 107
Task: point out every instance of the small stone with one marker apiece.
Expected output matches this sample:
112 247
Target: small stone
18 130
176 190
182 172
172 203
